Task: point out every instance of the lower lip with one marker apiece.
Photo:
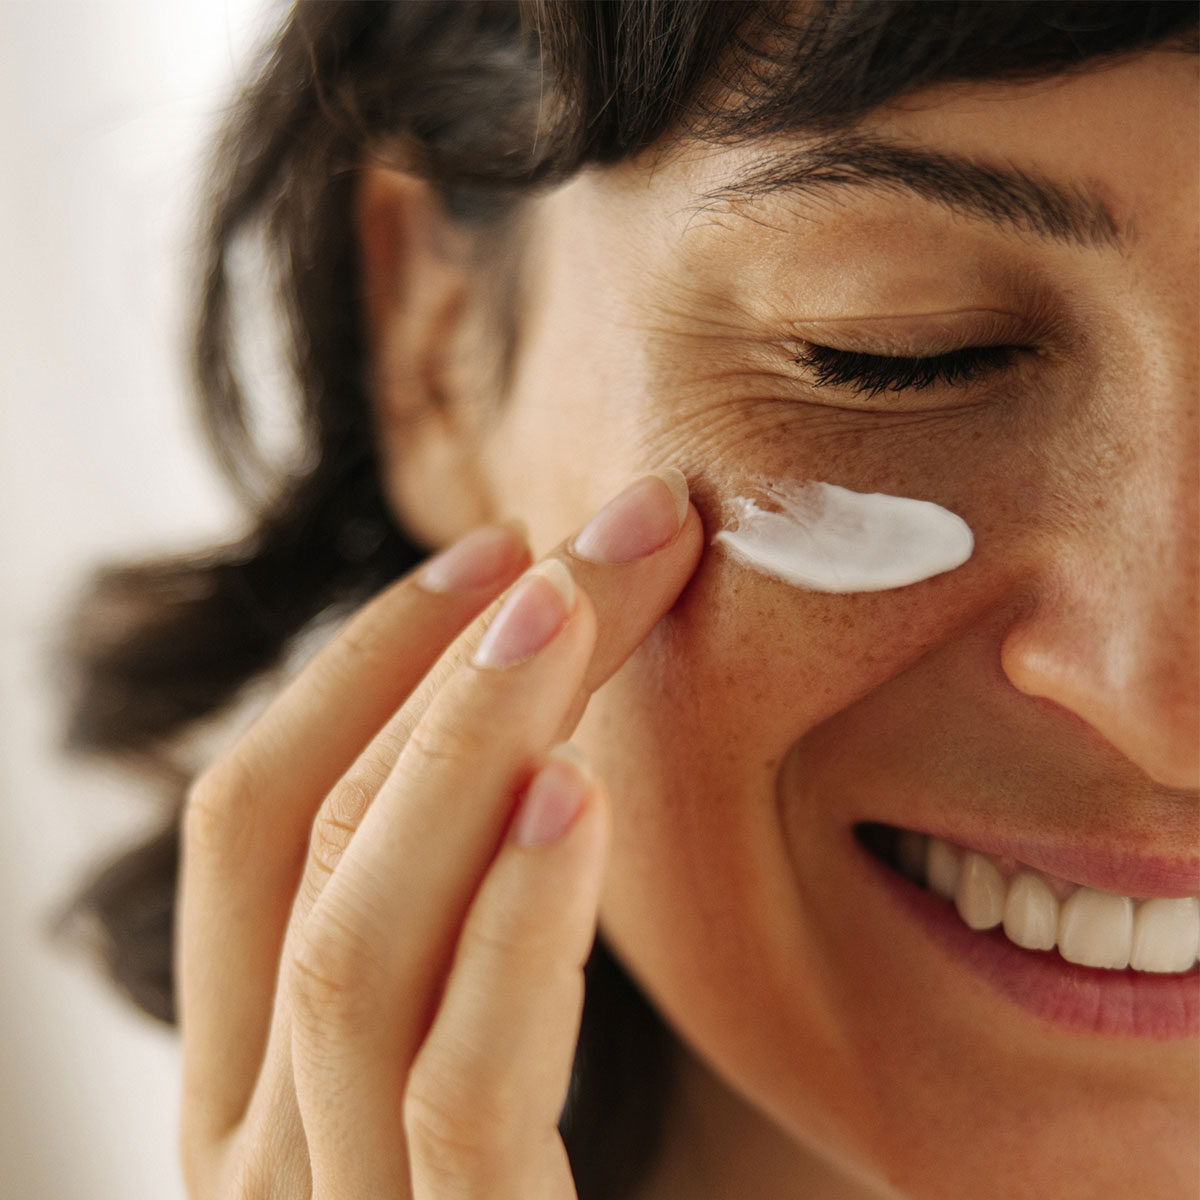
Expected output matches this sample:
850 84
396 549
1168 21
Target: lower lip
1079 999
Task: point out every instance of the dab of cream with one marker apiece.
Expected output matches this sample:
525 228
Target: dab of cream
830 539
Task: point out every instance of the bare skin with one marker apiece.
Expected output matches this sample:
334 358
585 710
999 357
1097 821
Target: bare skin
1047 687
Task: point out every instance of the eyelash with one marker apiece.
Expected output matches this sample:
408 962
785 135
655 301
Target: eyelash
870 374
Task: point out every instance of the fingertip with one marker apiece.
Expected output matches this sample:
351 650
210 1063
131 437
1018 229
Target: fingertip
554 799
677 484
571 754
485 557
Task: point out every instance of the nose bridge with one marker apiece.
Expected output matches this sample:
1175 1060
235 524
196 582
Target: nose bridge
1114 635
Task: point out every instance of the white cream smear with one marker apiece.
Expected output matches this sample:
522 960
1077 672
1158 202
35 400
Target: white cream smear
829 539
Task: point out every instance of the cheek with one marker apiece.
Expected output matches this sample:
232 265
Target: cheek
702 900
752 663
692 731
691 737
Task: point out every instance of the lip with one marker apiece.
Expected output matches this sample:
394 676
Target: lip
1114 869
1085 1000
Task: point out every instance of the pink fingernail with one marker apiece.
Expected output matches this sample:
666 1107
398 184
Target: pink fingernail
529 618
645 516
482 557
552 801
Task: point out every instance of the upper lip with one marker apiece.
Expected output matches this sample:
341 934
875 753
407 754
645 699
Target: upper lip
1113 868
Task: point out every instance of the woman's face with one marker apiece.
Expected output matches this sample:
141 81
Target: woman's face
1039 701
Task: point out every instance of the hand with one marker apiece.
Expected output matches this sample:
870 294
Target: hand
379 966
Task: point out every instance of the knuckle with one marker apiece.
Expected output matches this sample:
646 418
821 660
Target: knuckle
333 976
453 1132
446 742
336 823
389 744
504 930
218 811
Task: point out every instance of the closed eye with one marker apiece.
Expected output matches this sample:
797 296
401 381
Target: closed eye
869 374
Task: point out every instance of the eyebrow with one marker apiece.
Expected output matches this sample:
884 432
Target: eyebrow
1006 196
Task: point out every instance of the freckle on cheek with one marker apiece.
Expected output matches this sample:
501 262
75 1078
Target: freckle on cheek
827 538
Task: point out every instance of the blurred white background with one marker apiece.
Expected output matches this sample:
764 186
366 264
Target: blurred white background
104 109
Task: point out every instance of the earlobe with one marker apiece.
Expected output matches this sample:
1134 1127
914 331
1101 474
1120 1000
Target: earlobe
414 265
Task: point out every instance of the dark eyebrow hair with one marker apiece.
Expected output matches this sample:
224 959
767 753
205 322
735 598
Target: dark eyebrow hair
1004 195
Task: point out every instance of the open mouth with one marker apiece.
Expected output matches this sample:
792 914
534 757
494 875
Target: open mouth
1039 912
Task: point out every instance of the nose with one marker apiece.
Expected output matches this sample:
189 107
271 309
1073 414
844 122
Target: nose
1114 634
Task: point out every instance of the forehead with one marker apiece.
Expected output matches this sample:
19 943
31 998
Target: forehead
1082 156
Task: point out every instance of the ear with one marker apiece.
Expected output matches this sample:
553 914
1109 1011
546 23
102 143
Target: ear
414 266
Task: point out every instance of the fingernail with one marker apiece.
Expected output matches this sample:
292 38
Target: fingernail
553 799
474 561
645 516
529 618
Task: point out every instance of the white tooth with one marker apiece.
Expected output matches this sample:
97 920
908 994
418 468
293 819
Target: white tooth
1166 934
1095 929
910 853
980 894
1031 913
942 868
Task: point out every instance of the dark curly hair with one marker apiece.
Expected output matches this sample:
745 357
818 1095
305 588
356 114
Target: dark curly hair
491 100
